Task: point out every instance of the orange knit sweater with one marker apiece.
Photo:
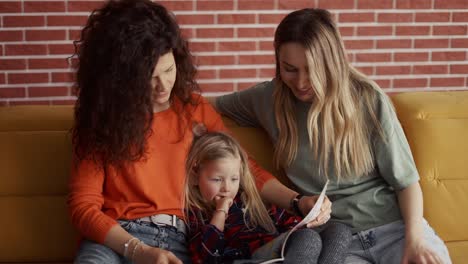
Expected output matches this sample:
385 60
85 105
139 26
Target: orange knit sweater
153 186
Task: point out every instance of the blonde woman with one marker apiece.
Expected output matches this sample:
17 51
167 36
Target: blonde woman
329 121
228 220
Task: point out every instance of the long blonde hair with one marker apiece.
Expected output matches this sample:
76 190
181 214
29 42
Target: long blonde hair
213 146
338 124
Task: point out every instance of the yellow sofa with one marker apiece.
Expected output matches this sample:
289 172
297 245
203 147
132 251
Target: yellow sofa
35 152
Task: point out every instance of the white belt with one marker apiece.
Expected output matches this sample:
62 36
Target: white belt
165 219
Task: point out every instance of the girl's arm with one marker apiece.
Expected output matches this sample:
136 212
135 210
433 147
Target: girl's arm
411 206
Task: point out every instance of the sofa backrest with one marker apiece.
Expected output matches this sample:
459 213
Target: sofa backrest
35 152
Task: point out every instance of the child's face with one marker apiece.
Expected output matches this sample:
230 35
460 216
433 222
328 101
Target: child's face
162 81
219 178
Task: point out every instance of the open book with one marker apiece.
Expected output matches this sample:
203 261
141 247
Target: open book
313 213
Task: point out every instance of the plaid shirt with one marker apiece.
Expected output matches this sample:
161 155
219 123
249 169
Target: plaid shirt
210 245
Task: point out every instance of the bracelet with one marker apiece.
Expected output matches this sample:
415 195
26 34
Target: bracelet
295 205
128 244
222 210
134 250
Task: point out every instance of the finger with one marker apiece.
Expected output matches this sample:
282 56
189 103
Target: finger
173 259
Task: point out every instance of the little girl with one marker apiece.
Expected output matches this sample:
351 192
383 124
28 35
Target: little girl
228 220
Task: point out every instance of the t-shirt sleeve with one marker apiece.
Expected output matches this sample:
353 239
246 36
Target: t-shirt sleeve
393 154
85 201
243 106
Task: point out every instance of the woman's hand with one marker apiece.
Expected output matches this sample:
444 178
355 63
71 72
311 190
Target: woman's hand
307 202
417 252
145 254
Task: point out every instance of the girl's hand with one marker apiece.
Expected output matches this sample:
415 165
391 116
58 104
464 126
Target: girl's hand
307 202
223 203
145 254
417 252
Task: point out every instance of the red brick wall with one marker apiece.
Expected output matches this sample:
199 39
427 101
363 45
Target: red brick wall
405 45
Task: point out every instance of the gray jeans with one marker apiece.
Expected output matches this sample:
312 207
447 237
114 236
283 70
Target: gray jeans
164 237
385 244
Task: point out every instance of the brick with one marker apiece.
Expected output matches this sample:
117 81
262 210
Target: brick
66 20
2 78
431 43
44 6
215 5
410 83
215 60
257 59
450 30
237 73
255 32
430 69
411 56
25 49
195 19
63 102
236 19
15 78
383 83
447 82
48 64
55 49
3 103
270 18
356 17
12 92
336 4
84 6
237 46
36 35
206 74
459 43
266 45
42 102
23 21
178 5
294 4
395 17
346 31
214 32
12 64
393 43
255 5
48 91
267 72
412 30
202 46
10 7
450 4
372 4
459 69
373 57
460 17
217 87
63 77
358 44
367 70
188 33
393 70
433 17
11 35
413 4
448 55
375 31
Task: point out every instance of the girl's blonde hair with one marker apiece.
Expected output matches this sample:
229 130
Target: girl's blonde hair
342 116
213 146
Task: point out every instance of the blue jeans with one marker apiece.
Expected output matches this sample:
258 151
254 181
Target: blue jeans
385 244
164 237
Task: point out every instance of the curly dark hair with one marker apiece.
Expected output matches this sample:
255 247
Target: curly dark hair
117 52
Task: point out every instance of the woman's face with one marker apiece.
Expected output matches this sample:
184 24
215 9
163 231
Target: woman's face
294 70
162 81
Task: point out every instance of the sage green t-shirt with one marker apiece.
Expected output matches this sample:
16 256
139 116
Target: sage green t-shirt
362 202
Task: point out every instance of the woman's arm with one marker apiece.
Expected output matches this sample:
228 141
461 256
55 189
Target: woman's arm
411 205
